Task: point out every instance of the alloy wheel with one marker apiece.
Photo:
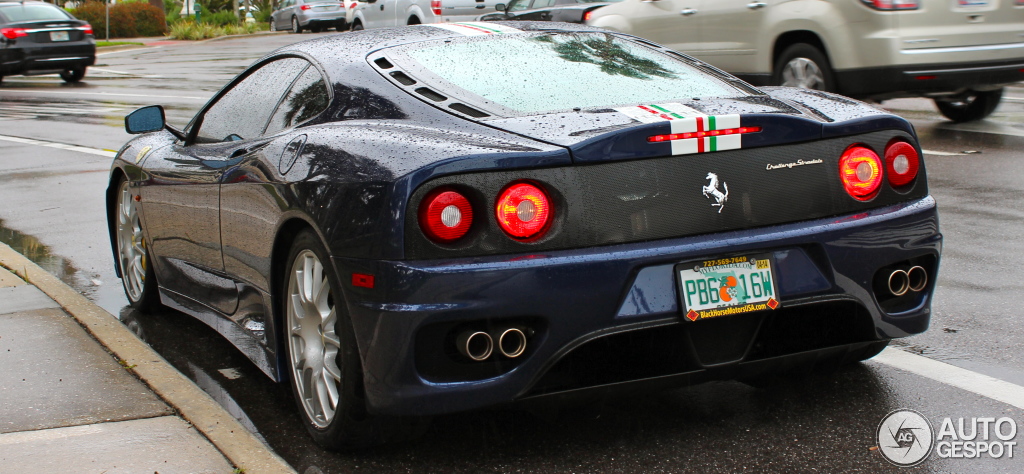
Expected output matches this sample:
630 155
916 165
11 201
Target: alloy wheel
131 245
313 343
803 73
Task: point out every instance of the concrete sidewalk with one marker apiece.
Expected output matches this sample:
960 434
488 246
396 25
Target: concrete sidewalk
79 392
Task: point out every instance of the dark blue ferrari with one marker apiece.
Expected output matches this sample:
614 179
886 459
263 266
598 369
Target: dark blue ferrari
430 219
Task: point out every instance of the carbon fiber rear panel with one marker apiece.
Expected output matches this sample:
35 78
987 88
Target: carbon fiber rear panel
640 200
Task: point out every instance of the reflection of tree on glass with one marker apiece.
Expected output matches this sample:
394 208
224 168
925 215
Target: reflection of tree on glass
306 103
610 56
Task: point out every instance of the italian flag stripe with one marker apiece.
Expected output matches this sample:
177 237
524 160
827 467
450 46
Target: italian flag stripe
669 112
477 26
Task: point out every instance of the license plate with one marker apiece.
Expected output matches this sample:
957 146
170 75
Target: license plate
59 36
970 3
727 286
325 9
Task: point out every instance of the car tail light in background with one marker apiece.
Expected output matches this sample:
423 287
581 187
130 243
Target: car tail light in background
893 4
305 7
435 6
12 33
901 163
445 215
860 170
590 13
87 29
523 211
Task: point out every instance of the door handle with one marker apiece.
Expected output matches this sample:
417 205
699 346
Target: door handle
687 11
756 5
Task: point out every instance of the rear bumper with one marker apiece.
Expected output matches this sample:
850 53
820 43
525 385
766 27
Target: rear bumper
581 304
928 79
46 58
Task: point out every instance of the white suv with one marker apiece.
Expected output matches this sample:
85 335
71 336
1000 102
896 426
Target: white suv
959 52
382 13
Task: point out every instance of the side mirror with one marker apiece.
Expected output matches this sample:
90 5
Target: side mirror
145 120
500 7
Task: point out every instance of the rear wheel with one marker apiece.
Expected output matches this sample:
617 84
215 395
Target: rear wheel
296 27
413 21
273 25
73 75
315 28
805 66
137 275
357 26
324 364
974 106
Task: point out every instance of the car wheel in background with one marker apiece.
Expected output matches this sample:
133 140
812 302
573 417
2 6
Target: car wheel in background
73 75
296 28
273 24
137 275
804 66
975 106
357 26
323 361
316 28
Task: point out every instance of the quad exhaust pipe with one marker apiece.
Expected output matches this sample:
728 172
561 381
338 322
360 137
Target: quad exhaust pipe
901 281
479 345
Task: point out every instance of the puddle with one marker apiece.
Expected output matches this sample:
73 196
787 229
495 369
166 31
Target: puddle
99 289
963 361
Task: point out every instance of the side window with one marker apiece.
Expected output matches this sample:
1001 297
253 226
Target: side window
306 99
243 111
518 5
542 3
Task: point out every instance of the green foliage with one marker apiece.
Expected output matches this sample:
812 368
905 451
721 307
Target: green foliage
188 29
223 18
127 20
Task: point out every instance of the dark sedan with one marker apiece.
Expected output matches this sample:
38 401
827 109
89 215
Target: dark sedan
438 218
569 11
39 38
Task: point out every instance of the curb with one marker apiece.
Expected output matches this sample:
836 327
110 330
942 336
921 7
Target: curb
262 33
233 440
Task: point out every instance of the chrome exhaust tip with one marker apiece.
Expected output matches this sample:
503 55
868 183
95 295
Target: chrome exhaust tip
512 343
476 345
899 283
917 278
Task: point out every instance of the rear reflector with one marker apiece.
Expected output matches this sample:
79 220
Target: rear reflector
925 78
901 163
362 280
445 215
860 170
707 133
305 7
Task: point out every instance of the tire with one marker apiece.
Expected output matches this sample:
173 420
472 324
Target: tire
137 275
357 26
316 29
73 75
973 107
296 27
413 21
322 357
805 66
273 25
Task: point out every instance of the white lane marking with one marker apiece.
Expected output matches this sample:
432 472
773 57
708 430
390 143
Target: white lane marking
942 153
123 73
62 146
1014 99
942 372
112 94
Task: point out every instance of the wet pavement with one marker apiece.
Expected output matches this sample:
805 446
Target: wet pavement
53 212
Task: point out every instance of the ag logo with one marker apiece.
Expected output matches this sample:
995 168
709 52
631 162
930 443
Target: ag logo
905 438
711 190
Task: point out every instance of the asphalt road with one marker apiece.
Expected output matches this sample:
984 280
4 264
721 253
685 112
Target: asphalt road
52 210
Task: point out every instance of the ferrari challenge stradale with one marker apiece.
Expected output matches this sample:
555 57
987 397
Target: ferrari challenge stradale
437 218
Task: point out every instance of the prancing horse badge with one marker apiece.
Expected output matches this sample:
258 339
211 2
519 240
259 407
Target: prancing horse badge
711 190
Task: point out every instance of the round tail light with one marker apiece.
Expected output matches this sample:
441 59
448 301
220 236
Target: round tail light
901 163
523 211
445 215
860 169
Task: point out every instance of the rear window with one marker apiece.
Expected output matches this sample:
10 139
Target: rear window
544 72
33 12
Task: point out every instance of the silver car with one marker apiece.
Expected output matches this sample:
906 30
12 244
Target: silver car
958 52
313 15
